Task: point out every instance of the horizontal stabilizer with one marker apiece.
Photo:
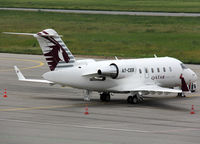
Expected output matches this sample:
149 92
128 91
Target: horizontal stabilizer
31 34
22 78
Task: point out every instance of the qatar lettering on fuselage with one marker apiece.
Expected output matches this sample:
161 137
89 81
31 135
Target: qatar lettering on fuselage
155 77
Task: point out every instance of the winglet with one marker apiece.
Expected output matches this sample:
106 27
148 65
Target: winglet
19 74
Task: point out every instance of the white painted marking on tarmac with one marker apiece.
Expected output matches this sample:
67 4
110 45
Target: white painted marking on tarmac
112 129
177 130
77 126
102 128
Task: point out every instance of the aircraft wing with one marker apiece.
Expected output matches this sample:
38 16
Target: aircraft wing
22 78
156 88
90 74
147 88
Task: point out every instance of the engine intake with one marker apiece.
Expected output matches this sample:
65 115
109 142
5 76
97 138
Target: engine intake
110 71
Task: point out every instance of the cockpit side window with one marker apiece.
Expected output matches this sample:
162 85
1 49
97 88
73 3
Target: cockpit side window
183 66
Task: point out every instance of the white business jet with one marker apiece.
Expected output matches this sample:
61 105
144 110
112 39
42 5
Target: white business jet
138 77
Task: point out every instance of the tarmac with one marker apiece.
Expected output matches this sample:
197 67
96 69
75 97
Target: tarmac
43 114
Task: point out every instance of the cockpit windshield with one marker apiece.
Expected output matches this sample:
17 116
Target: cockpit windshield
183 66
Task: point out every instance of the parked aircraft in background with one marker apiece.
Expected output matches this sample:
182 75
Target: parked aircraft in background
138 77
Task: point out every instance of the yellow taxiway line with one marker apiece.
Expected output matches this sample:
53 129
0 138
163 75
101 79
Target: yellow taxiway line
35 108
48 107
26 60
193 95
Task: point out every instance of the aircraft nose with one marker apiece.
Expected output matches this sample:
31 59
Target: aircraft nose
191 75
194 76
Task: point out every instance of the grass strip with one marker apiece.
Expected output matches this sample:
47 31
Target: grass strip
105 35
121 5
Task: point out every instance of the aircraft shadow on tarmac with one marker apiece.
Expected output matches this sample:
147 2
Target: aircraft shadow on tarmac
163 103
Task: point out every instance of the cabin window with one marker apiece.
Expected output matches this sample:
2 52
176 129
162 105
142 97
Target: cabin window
140 71
152 70
164 70
170 69
158 70
146 70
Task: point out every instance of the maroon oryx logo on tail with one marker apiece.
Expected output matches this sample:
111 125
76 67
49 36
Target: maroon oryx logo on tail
56 54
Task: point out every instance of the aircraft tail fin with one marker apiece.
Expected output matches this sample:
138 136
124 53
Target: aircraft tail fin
57 54
55 51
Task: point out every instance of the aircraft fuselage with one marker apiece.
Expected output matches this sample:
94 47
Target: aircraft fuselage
164 72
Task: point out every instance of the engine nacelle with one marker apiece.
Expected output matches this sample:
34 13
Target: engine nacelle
110 71
116 70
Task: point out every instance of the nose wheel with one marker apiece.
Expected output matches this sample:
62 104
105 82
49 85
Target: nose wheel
181 95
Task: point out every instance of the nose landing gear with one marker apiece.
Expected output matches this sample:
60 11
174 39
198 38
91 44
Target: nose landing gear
181 95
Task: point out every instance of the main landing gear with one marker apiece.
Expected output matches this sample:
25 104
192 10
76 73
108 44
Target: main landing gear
136 98
105 96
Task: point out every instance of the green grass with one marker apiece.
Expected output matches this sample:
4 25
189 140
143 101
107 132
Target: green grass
105 35
122 5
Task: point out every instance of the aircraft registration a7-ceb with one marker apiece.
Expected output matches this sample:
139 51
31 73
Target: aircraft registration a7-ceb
139 77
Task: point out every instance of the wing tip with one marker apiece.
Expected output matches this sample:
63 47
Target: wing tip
19 74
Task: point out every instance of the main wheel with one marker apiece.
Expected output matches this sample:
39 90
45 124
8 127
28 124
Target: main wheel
105 97
135 100
130 100
102 97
